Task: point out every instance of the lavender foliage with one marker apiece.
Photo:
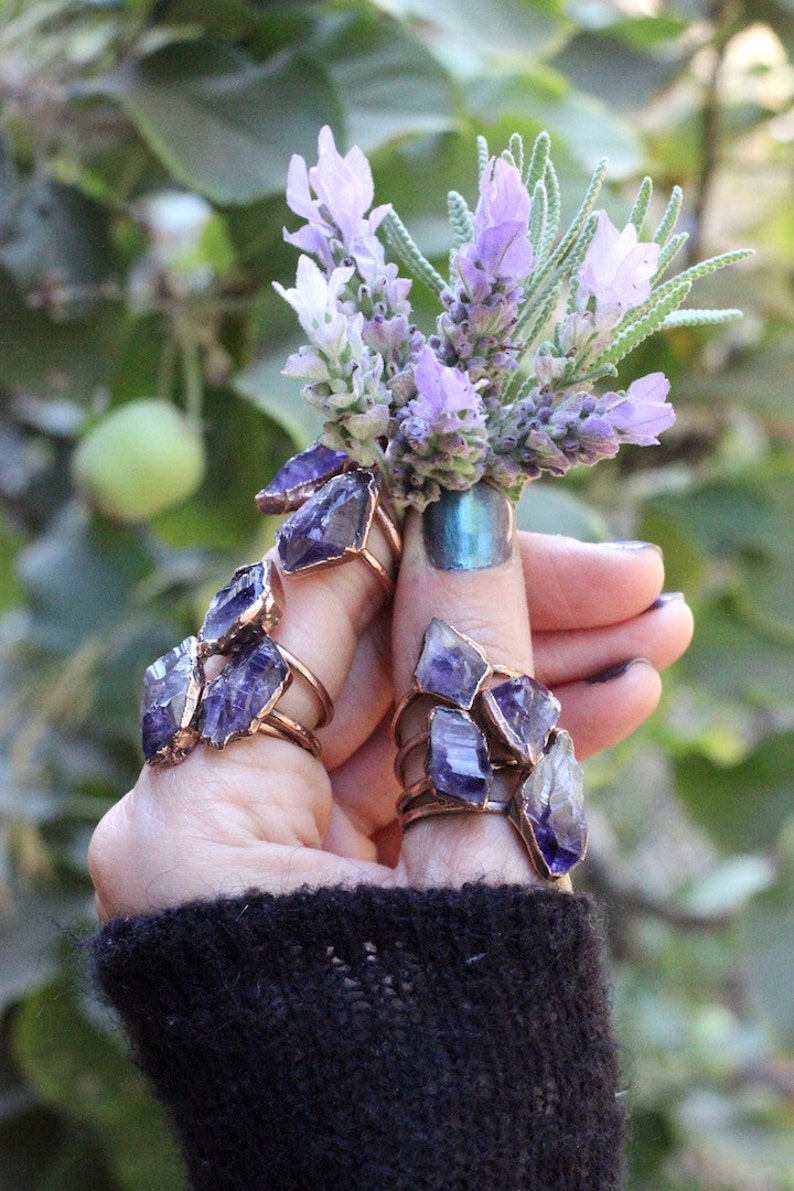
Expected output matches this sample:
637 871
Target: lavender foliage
485 396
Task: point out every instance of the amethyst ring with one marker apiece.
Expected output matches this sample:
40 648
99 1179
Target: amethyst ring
225 683
334 526
492 749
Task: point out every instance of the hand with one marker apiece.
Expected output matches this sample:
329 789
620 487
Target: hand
264 814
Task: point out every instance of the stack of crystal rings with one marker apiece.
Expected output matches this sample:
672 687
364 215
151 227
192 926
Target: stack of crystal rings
491 746
225 683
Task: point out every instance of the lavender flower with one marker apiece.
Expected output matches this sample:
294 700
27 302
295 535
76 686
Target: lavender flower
616 272
642 412
441 438
345 376
336 226
446 412
488 272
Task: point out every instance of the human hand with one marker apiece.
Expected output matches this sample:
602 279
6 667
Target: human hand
265 814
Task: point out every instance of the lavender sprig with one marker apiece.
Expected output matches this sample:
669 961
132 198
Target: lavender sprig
504 388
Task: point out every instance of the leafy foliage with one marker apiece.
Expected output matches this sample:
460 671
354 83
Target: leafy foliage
106 298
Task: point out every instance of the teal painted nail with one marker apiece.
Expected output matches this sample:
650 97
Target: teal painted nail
469 531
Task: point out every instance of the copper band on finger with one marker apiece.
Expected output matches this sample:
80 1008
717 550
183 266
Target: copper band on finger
334 526
282 727
311 679
421 801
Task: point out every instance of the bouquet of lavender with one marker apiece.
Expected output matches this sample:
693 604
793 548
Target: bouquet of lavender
532 324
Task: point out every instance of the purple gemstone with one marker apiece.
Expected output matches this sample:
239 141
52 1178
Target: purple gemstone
551 799
171 689
300 477
450 665
236 702
520 713
333 523
250 603
457 757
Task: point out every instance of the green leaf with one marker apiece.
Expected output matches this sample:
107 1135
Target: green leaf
549 508
279 397
221 123
766 948
470 36
54 242
589 128
743 806
54 359
622 76
84 1074
388 83
80 576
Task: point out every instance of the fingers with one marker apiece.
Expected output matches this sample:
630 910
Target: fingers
661 634
257 813
580 585
461 564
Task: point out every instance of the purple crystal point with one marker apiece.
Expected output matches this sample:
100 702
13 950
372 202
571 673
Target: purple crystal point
450 665
521 712
457 757
171 690
245 691
251 603
331 525
300 477
551 801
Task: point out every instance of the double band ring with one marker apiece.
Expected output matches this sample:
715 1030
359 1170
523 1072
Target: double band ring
491 749
182 707
334 525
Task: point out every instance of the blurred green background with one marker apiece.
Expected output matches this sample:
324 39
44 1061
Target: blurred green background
112 289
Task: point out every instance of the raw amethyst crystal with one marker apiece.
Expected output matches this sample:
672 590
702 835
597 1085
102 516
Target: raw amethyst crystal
300 477
551 802
245 691
457 757
251 603
520 713
450 665
332 524
171 690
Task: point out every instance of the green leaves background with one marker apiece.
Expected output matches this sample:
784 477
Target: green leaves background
108 102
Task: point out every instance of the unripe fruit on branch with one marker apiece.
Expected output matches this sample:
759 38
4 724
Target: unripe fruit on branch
139 460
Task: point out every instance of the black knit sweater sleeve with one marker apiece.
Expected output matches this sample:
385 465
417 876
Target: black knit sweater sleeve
368 1038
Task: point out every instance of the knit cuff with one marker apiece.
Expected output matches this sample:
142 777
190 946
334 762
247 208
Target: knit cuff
372 1037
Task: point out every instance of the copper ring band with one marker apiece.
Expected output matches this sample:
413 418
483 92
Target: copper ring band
387 521
420 801
405 751
281 727
311 679
413 693
382 575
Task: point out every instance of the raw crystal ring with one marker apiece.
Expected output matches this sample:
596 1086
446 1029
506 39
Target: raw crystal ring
333 525
452 670
181 705
479 737
250 604
421 801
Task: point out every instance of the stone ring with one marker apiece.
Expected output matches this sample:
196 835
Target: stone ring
479 737
334 525
182 704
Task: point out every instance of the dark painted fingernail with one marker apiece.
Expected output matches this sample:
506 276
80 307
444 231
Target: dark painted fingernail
665 598
632 545
614 671
469 531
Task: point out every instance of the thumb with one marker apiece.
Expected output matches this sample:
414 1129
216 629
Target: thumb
461 564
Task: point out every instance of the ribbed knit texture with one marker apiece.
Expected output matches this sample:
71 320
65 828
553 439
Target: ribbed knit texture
387 1039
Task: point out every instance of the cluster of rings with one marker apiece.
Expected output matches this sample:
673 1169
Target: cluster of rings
225 683
490 745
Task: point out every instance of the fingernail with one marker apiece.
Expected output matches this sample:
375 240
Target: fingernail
614 671
665 598
469 531
632 545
